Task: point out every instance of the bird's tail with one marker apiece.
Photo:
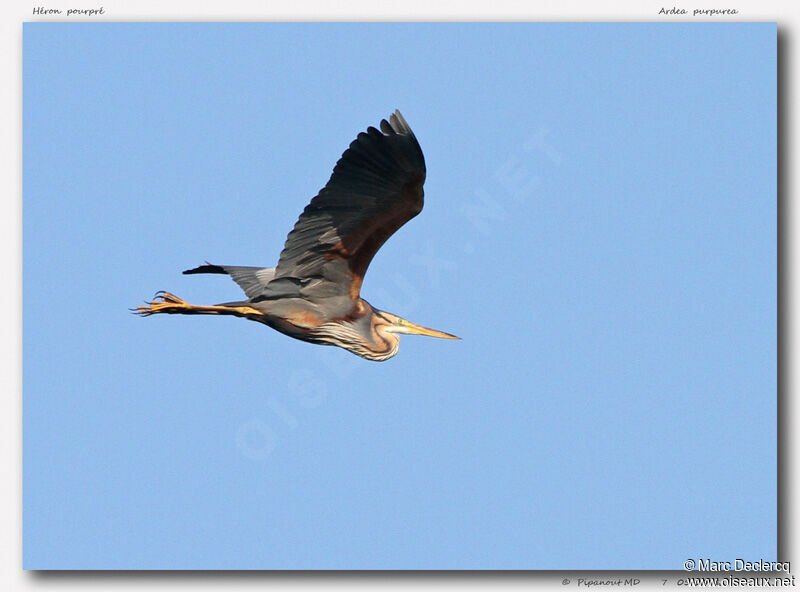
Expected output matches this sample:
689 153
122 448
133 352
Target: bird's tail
252 280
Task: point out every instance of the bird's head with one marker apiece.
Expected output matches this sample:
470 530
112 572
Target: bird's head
391 323
375 336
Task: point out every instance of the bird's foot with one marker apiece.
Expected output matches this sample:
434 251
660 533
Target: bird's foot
163 302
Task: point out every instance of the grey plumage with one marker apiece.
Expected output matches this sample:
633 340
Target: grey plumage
253 280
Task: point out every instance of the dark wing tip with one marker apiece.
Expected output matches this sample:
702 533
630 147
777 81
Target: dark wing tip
399 123
396 125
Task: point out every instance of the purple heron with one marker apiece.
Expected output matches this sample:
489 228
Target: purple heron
314 293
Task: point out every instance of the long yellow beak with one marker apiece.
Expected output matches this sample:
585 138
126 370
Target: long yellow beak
404 326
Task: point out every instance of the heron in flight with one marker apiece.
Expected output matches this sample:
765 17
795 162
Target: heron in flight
314 293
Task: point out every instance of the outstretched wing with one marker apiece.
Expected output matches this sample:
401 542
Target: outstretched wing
375 188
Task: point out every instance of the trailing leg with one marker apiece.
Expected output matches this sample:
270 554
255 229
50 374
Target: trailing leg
166 303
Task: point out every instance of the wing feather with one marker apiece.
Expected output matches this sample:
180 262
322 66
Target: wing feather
375 188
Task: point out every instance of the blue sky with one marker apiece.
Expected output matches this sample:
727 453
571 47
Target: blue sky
599 228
